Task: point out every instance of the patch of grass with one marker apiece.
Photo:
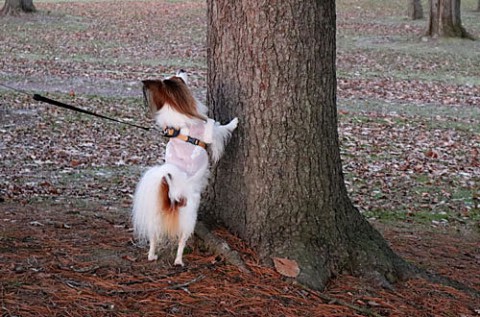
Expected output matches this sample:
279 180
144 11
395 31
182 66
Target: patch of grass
360 107
422 217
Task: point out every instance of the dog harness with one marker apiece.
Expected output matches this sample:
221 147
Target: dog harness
170 132
187 146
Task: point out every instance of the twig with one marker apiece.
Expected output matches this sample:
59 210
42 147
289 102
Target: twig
155 289
186 284
333 300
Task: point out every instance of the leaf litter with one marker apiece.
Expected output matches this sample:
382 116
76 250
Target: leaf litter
67 179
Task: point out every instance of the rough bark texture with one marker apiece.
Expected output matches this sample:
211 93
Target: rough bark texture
415 10
445 20
27 6
280 185
15 7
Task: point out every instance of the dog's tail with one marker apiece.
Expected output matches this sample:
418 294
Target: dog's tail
221 136
169 209
157 202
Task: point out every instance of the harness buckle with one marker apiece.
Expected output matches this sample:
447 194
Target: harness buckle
171 132
193 140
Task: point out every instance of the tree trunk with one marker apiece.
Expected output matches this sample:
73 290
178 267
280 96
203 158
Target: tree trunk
478 6
415 10
280 185
15 7
445 20
27 6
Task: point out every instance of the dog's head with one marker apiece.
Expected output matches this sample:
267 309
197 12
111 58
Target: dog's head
173 92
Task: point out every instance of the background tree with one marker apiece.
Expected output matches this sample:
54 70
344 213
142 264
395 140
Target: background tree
445 19
14 7
478 6
415 9
280 186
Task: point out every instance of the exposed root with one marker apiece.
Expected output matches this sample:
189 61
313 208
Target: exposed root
446 281
220 247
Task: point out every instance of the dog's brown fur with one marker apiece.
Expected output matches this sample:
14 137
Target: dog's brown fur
175 93
169 210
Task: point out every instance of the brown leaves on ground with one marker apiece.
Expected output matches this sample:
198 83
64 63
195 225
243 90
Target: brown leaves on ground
73 260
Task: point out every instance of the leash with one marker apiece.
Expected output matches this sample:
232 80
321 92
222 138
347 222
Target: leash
41 98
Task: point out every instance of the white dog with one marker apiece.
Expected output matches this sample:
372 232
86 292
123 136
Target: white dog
168 196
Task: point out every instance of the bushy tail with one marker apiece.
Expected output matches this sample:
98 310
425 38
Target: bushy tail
156 203
221 136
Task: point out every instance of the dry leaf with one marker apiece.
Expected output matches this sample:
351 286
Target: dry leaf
286 267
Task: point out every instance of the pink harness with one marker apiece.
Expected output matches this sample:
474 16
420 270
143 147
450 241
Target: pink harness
189 157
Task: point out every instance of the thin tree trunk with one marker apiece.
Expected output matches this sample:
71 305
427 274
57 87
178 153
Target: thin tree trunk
415 10
280 185
445 20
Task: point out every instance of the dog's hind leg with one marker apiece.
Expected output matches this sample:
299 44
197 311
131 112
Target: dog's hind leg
181 246
152 256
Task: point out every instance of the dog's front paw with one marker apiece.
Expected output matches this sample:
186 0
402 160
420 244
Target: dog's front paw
233 124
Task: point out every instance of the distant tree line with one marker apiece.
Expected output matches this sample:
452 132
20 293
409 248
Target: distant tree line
444 18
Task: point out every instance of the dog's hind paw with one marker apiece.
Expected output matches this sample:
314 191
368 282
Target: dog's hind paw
178 262
152 257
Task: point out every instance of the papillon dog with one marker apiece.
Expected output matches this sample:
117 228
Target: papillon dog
167 197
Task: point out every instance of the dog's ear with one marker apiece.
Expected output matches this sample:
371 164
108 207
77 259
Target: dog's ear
146 82
182 74
153 95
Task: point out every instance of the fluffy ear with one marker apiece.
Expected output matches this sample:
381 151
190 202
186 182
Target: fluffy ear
183 75
152 96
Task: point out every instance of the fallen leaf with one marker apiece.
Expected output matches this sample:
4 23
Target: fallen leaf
286 267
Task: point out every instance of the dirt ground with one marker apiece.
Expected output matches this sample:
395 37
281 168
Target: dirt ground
79 259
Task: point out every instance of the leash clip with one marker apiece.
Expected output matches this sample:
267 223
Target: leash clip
171 132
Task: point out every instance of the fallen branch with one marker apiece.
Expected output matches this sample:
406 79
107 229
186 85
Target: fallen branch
220 247
155 289
332 300
186 284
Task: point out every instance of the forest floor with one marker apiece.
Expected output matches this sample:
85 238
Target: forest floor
409 123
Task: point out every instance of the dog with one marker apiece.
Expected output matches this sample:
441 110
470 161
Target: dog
167 197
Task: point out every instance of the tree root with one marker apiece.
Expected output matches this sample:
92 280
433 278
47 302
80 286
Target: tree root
220 247
446 281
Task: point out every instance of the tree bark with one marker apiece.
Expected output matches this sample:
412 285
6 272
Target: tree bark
15 7
478 6
415 10
445 20
27 6
280 185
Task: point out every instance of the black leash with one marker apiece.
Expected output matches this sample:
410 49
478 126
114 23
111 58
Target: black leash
40 98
